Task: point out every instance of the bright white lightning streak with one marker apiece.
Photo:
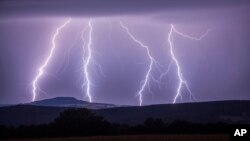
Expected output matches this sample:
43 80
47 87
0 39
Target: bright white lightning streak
152 60
41 69
182 81
87 62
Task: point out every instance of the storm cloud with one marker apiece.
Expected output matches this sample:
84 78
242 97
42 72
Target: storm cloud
90 8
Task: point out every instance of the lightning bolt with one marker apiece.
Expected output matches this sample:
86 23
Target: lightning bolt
86 62
43 66
152 61
182 81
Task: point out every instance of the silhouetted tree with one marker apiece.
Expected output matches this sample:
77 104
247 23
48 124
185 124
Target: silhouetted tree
82 122
152 125
78 122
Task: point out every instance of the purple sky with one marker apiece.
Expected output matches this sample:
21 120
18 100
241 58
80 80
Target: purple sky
217 67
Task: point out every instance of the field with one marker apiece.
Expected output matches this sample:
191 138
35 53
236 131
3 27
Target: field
219 137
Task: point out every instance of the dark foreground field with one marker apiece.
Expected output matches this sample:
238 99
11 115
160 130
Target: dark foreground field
218 137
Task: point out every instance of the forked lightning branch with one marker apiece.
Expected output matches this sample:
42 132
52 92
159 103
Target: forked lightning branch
152 62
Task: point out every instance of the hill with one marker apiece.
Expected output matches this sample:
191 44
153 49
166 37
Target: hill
203 112
28 114
70 102
236 112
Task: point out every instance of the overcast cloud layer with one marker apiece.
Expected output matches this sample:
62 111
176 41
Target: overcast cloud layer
106 7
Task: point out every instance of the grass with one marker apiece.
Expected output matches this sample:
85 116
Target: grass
218 137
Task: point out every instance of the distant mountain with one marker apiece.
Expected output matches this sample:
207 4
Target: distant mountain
70 102
202 112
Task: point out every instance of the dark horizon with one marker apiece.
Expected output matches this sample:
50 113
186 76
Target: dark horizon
136 105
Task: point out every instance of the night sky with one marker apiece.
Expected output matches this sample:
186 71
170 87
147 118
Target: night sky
216 68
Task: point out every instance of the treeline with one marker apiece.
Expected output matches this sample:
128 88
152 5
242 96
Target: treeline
82 122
